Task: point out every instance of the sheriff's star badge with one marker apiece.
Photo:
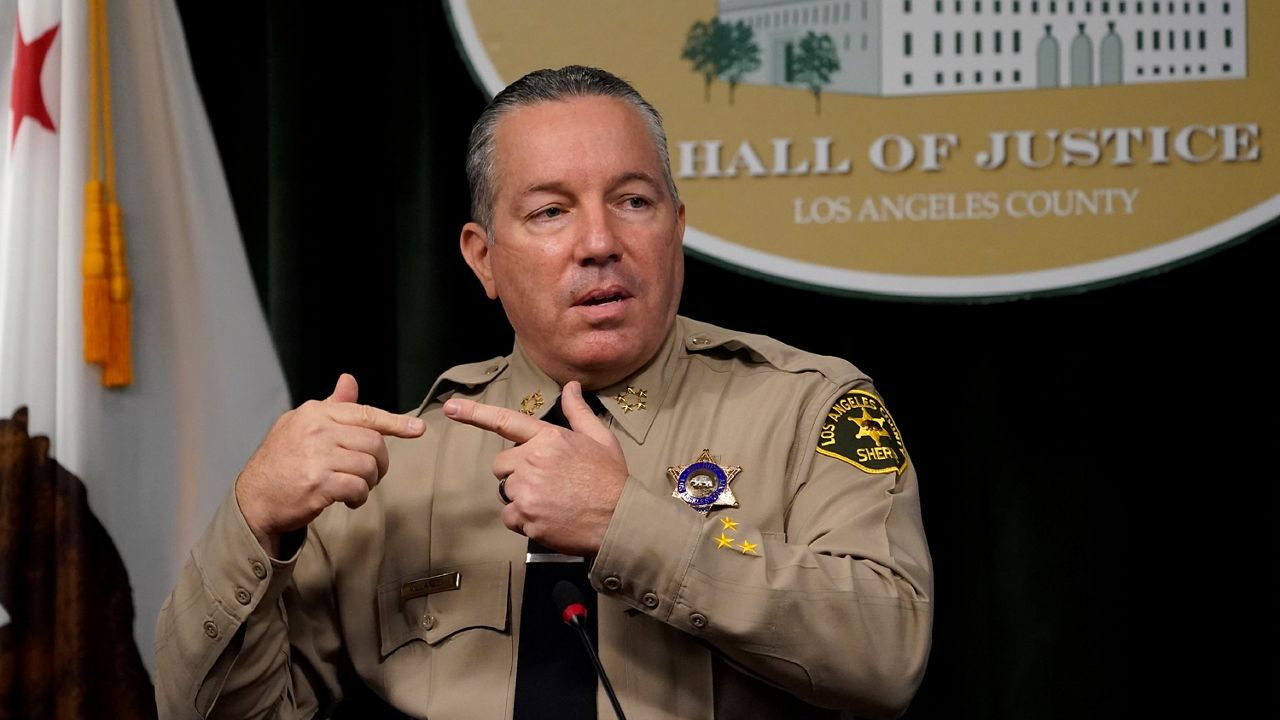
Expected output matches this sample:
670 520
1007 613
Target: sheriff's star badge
704 483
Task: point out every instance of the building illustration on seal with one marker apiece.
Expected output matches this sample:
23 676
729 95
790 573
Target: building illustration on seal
929 47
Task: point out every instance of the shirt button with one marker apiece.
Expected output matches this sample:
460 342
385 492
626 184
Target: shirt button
650 600
698 620
242 596
428 622
259 570
211 629
612 583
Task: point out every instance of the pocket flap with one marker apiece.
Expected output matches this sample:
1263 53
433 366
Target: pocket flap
481 600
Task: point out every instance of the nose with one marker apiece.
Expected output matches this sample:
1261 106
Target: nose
597 242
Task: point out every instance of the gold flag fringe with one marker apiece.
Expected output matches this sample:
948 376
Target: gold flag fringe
95 307
107 300
118 372
93 266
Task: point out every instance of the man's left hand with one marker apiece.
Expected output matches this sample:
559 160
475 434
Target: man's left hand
564 483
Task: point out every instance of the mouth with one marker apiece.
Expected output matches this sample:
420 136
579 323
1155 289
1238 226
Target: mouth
603 296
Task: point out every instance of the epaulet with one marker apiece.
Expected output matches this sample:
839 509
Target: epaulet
705 338
470 376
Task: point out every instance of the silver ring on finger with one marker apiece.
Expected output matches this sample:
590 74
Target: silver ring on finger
502 491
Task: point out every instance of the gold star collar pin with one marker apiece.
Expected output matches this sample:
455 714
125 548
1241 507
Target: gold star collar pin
704 483
530 404
632 399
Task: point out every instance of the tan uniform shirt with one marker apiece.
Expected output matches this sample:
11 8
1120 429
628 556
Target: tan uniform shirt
814 591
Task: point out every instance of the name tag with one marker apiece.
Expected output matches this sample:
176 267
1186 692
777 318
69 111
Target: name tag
428 585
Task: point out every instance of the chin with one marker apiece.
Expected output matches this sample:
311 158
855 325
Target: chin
607 357
608 350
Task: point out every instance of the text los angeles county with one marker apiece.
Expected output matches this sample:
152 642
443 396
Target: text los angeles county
1195 144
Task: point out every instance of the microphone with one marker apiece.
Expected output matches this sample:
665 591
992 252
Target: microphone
569 601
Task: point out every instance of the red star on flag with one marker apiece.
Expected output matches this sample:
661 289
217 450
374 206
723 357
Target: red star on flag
26 99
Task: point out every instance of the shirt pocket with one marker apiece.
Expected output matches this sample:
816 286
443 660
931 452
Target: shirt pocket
482 600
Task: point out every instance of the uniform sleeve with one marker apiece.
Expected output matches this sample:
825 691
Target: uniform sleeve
223 646
837 612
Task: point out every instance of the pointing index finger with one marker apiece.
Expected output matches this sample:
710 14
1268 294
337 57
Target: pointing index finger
510 424
375 419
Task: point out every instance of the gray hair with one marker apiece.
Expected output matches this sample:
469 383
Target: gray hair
541 86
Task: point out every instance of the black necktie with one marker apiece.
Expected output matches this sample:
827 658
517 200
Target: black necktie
554 676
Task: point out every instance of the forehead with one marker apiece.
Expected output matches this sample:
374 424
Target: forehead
578 140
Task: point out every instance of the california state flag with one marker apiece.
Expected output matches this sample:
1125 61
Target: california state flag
156 455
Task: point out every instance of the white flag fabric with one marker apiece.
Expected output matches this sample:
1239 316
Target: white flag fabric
157 457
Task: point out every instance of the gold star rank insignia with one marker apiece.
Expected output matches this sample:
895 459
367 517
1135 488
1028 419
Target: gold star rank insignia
860 431
729 523
748 548
704 483
723 541
530 405
632 399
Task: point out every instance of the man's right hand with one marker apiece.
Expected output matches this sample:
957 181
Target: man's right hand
323 452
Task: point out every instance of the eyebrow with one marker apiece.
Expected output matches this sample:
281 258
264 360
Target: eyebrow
557 186
644 177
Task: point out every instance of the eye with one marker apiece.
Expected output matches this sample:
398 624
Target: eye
635 202
548 213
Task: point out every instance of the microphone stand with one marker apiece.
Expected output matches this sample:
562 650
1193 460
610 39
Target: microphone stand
595 660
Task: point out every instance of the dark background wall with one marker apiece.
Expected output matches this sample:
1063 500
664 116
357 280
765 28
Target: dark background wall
1093 466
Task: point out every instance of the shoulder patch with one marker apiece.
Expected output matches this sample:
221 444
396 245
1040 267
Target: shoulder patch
860 431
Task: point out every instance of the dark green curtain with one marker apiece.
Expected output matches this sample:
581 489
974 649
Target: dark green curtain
1097 508
342 133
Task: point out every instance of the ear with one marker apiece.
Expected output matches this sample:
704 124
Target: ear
474 243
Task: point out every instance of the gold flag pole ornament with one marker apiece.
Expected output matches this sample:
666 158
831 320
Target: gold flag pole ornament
107 291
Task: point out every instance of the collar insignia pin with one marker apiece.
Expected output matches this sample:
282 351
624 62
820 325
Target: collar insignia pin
704 483
530 405
632 399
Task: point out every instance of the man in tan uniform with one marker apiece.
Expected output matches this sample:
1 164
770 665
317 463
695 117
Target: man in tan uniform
747 511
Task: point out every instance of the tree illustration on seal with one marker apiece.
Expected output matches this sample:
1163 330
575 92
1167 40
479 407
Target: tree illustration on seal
813 62
704 46
721 50
742 56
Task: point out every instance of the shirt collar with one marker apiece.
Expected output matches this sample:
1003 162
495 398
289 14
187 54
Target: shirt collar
530 390
632 402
